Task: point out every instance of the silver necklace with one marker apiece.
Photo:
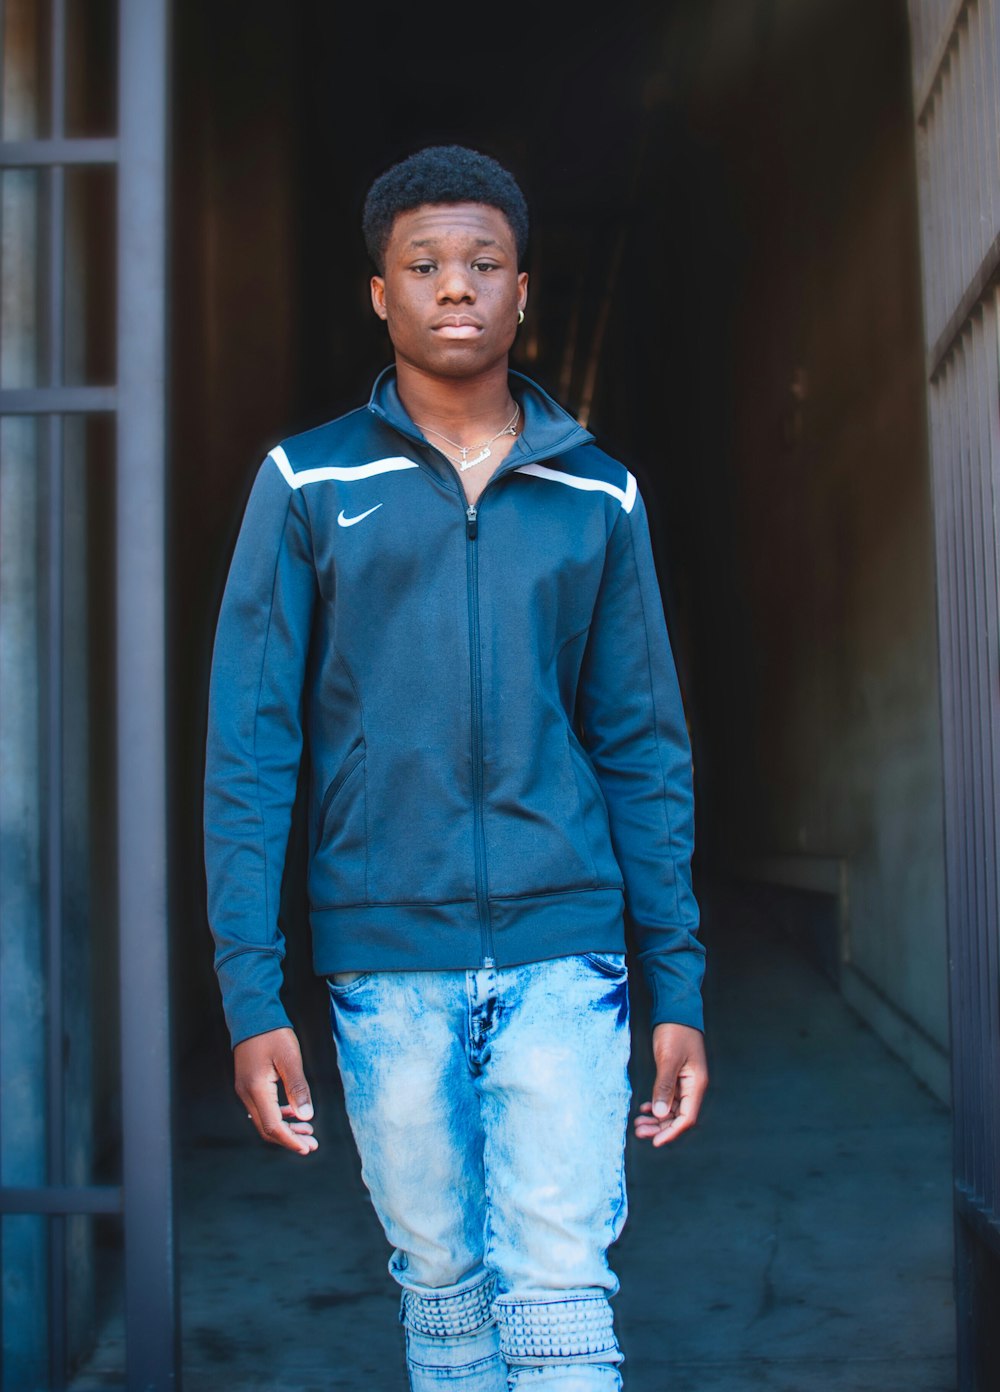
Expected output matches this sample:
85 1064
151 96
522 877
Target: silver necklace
484 449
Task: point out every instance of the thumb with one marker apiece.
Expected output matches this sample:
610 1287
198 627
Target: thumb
289 1066
664 1088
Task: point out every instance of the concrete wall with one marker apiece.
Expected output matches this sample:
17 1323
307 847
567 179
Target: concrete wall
828 709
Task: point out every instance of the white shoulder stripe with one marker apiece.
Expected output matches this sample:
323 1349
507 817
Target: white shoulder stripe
626 495
345 473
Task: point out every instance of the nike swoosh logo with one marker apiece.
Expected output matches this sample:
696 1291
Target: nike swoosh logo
350 521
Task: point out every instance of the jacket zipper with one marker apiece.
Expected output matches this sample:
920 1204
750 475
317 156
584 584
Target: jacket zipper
476 674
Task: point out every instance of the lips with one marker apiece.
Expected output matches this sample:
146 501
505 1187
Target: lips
457 326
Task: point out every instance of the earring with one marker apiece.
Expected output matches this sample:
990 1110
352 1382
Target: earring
520 316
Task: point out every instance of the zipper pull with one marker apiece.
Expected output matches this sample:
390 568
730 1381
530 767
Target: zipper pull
471 526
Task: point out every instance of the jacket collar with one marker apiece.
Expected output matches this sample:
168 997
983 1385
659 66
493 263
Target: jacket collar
547 431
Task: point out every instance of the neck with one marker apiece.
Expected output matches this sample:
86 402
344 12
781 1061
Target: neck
456 404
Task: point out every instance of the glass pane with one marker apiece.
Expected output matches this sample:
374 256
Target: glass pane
90 941
92 1330
91 67
89 316
22 216
22 1033
96 1321
24 95
56 530
24 1247
91 79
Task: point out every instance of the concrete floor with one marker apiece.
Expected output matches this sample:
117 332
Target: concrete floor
798 1241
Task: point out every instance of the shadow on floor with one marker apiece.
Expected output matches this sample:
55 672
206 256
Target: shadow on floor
798 1241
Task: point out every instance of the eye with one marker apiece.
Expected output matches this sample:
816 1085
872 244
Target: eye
423 267
485 266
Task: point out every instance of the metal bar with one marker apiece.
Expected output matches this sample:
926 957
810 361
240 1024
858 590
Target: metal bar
55 1026
982 192
62 401
62 1199
984 1223
39 154
992 522
946 196
932 71
977 677
151 1335
991 124
55 1029
944 529
985 334
950 467
961 82
3 59
986 275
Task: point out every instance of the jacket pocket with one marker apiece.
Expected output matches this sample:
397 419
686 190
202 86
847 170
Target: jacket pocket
593 811
338 871
584 765
329 797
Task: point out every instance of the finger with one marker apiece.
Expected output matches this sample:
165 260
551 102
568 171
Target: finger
288 1115
671 1129
646 1124
270 1123
281 1134
686 1115
645 1113
646 1130
288 1062
664 1089
301 1128
647 1127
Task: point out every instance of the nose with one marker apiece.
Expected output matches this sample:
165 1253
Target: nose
455 284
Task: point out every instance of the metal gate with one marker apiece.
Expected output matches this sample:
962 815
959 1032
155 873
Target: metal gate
956 83
51 414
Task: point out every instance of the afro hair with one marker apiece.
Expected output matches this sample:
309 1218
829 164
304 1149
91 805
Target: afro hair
441 174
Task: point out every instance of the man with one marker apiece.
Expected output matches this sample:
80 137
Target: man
452 591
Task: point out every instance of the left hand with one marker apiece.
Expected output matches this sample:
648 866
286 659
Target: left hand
681 1080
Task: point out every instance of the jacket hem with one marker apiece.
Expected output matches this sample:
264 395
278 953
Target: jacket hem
439 937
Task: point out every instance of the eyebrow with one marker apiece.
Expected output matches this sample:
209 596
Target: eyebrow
433 241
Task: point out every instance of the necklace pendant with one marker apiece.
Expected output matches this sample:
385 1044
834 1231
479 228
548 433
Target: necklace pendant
477 459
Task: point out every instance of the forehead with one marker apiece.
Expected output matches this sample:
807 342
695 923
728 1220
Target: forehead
437 223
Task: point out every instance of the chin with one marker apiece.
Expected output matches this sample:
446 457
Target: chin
466 362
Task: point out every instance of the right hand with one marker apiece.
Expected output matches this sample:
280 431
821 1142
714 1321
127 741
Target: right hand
260 1064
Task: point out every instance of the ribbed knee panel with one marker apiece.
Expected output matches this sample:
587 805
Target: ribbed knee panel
448 1314
568 1329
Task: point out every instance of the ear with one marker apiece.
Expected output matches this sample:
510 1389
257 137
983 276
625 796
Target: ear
522 289
378 297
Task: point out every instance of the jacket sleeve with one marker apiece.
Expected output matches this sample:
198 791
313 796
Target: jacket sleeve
632 725
254 747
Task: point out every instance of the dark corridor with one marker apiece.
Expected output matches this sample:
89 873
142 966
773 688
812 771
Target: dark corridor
281 130
725 285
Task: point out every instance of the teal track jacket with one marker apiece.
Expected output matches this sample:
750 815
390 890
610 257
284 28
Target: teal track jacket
496 744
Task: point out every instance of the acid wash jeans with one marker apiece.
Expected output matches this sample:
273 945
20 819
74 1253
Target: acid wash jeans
489 1108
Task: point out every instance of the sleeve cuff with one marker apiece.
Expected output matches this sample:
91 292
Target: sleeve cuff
676 994
251 994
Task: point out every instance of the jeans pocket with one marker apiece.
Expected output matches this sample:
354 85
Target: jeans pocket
607 963
344 983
